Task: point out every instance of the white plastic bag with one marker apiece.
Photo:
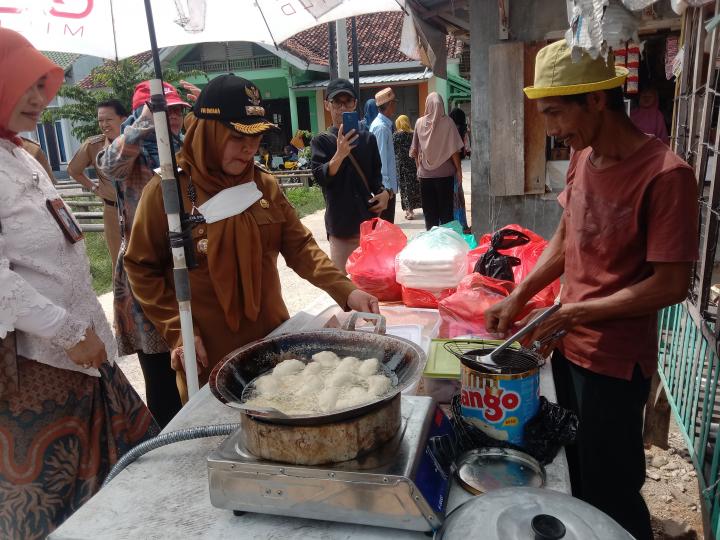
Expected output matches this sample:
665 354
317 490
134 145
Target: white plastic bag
433 260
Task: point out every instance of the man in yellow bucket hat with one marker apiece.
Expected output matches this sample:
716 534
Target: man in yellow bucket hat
625 246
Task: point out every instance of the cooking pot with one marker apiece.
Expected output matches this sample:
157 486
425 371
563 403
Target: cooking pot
524 513
401 358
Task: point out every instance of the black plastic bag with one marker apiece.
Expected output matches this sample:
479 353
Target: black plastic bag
549 430
496 265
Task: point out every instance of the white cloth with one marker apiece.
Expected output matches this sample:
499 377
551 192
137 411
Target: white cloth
47 296
230 202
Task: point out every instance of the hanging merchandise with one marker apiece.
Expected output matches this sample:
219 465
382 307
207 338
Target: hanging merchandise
671 51
585 32
596 25
619 25
679 62
679 6
633 65
638 5
620 56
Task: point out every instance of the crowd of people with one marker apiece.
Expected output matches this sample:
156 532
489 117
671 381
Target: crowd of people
67 412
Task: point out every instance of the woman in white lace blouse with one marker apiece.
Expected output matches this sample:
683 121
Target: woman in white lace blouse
67 412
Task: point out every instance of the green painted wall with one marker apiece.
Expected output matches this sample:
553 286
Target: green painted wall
310 95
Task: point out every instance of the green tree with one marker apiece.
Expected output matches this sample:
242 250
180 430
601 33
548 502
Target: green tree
112 80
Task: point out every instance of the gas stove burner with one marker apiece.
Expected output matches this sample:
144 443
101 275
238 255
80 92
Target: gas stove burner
399 485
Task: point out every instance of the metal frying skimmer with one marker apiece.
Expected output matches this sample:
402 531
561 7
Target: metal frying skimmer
487 360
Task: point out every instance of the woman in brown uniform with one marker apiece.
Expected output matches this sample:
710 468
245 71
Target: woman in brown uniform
236 296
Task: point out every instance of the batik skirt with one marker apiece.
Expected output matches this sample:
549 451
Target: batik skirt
61 432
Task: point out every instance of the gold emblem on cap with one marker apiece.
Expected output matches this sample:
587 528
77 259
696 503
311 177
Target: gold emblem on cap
254 110
264 203
202 246
254 94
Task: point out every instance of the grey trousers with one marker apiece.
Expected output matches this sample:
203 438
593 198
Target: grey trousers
341 248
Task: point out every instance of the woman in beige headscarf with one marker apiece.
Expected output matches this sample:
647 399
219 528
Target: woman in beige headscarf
436 149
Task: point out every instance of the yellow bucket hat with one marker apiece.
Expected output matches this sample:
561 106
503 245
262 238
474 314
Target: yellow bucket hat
557 75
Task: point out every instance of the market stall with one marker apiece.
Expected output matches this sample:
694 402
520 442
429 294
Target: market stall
166 492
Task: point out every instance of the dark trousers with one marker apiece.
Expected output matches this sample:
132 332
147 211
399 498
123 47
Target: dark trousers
607 461
437 200
163 398
389 213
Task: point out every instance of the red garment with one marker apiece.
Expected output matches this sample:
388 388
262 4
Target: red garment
618 221
650 120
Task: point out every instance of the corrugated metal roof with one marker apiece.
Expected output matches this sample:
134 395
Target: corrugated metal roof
64 60
374 80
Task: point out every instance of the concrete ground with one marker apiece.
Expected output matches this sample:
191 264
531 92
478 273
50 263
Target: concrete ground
297 292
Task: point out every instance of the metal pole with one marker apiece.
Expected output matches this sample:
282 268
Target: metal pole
342 52
355 61
172 199
332 52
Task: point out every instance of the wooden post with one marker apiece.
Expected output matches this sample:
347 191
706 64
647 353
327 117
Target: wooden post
657 416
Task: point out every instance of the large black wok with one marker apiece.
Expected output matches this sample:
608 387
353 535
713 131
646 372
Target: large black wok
399 356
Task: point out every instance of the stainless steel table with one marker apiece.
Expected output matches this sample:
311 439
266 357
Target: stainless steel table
165 493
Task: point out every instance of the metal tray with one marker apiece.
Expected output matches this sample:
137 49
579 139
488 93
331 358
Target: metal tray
486 469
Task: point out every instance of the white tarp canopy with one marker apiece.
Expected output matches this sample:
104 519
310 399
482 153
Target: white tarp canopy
118 28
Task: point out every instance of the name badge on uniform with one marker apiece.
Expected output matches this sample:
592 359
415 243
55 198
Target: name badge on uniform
65 220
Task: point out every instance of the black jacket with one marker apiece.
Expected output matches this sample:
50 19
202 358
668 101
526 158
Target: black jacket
345 193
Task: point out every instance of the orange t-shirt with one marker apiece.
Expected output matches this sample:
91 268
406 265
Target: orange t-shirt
619 220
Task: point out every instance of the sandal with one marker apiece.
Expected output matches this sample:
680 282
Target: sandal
409 216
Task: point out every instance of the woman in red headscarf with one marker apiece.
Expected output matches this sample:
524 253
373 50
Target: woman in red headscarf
67 412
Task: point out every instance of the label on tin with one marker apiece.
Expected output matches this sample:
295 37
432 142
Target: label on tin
500 405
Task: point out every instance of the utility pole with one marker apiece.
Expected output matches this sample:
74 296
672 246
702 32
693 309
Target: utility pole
356 60
342 52
332 56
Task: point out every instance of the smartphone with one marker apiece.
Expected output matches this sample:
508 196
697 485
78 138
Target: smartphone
350 121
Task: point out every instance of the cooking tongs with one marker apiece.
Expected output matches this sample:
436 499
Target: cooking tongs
486 361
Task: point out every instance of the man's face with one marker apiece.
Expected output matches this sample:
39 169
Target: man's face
338 105
391 109
575 124
239 151
109 122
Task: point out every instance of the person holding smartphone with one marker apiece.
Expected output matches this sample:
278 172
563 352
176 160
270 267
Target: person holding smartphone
346 164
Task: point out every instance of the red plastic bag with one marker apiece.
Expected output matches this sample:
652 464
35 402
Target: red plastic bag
372 265
420 298
463 313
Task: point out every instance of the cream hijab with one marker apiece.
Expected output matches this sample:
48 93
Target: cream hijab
438 136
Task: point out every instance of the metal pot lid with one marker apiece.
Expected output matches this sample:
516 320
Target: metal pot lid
487 469
529 514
